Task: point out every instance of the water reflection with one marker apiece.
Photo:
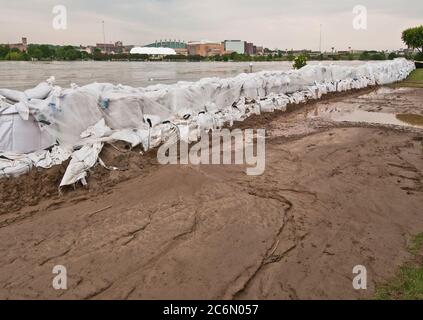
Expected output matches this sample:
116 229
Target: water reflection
355 115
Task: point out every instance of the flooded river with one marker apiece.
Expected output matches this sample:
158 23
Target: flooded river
24 75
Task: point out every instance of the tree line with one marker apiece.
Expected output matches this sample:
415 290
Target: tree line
412 37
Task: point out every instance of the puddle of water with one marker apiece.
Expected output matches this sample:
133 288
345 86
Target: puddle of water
385 106
413 119
360 116
378 118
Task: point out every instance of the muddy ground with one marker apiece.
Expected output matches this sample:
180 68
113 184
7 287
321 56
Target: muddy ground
333 196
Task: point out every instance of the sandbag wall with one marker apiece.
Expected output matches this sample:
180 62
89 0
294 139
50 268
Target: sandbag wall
64 115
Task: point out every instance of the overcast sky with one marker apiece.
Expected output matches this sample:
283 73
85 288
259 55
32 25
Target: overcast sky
272 23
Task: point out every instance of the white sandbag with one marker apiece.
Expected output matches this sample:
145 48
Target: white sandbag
20 136
23 109
69 114
122 110
100 129
47 159
12 95
14 165
82 161
133 136
41 91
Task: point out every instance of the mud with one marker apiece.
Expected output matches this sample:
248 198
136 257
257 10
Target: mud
334 195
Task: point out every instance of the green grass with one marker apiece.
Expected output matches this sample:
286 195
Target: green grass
416 245
408 284
416 75
414 80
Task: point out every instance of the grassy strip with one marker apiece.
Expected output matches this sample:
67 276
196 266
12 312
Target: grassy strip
416 245
414 80
416 75
408 284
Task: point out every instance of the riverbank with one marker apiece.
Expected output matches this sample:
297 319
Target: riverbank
334 195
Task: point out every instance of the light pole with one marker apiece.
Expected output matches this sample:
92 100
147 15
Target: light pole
104 32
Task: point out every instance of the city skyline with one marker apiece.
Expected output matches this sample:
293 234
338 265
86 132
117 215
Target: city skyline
275 24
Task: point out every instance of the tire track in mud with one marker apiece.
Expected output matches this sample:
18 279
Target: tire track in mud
243 282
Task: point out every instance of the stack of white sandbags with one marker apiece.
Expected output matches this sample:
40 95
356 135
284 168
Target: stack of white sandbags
49 115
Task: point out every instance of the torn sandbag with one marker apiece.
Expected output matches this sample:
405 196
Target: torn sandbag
133 136
47 159
82 160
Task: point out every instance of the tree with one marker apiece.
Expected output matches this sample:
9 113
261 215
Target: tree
364 56
35 52
300 61
68 53
392 56
4 50
16 56
48 53
413 38
72 54
97 55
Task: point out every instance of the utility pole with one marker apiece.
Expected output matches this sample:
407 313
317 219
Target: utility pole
320 42
104 33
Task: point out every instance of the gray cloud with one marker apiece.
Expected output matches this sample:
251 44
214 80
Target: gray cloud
274 23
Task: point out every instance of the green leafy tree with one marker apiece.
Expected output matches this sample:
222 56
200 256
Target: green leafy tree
16 56
35 52
97 55
300 61
72 54
364 56
4 50
85 55
413 38
291 56
392 56
48 52
68 53
378 56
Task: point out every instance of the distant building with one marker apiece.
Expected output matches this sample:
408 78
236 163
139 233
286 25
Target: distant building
173 44
23 46
259 51
179 46
127 49
87 49
205 48
298 52
111 48
315 54
237 46
181 51
250 49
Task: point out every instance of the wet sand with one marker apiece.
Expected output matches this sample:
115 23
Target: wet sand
334 195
